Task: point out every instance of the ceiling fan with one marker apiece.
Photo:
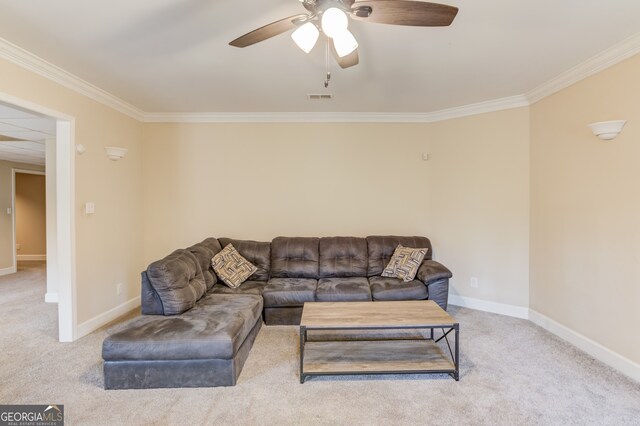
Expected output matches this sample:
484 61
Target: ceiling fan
332 18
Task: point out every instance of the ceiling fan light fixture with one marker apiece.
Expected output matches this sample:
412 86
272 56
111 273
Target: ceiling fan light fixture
345 43
334 21
306 36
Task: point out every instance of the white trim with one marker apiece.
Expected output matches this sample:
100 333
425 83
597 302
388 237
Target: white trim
66 226
338 117
30 172
51 297
52 213
106 317
31 257
13 220
488 306
8 271
33 107
31 62
593 348
603 60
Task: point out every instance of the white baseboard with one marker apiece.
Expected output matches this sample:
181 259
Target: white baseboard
593 348
487 306
23 257
7 271
106 317
51 297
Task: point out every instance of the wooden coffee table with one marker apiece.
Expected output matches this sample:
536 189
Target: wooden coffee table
379 354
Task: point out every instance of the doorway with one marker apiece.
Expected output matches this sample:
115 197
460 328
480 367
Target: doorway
30 215
60 218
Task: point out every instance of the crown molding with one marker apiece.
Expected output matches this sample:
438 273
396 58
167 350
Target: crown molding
339 117
31 62
603 60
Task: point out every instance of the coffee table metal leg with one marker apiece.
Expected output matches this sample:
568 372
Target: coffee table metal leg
457 361
303 338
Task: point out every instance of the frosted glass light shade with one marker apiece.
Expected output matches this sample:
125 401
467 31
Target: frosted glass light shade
607 130
344 43
306 36
334 21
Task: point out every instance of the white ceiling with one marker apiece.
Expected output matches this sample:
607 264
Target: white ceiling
22 135
173 55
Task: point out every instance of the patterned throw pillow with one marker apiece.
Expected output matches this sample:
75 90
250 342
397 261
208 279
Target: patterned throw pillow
231 267
404 263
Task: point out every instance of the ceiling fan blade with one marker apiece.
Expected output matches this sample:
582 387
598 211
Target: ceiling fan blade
346 61
268 31
404 12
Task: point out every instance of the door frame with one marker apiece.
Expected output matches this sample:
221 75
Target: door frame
66 221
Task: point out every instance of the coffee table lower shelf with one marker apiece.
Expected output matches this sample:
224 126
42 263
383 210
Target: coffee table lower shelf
374 357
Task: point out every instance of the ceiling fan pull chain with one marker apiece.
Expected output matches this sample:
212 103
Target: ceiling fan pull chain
326 57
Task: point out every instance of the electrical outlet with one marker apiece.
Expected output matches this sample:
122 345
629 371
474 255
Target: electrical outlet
474 282
18 246
119 287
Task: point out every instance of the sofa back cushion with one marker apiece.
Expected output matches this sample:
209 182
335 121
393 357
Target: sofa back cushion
294 257
258 253
381 249
212 244
343 257
204 256
178 281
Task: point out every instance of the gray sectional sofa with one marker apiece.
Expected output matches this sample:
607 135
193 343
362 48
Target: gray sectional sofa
196 331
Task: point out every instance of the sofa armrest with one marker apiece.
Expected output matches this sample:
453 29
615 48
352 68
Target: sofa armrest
431 271
436 277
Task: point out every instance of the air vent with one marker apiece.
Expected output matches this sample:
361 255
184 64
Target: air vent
320 96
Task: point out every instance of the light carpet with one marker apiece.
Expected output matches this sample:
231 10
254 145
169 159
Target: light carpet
512 372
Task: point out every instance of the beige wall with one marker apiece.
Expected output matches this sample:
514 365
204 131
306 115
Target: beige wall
31 214
585 209
479 203
6 220
108 243
259 181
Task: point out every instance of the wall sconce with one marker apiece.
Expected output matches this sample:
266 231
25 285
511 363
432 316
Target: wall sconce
607 130
115 153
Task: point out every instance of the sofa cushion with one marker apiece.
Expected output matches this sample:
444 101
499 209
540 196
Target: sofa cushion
214 329
178 281
383 288
231 267
256 252
381 249
289 292
404 263
247 287
343 257
351 289
294 257
204 256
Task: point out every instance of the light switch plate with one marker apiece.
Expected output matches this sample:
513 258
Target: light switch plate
89 208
